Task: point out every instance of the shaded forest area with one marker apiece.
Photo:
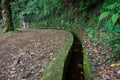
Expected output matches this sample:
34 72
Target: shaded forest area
24 13
99 19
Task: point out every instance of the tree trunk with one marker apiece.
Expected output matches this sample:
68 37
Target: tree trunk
7 15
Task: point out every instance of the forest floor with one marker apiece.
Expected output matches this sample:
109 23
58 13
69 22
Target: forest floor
98 56
24 55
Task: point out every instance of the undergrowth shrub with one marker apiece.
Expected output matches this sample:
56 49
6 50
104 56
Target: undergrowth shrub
110 16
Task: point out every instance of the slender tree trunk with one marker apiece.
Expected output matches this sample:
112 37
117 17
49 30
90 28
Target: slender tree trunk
7 15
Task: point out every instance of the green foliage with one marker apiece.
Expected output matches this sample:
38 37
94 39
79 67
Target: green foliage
115 43
113 11
90 33
45 12
103 15
115 17
35 10
51 7
110 15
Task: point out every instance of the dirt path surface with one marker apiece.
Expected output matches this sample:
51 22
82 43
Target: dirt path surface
101 67
25 55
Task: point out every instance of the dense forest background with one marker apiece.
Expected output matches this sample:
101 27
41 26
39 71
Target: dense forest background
91 16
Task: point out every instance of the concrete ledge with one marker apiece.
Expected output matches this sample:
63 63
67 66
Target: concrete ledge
56 68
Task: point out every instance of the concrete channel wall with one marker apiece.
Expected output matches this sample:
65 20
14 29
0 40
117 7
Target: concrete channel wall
56 68
87 68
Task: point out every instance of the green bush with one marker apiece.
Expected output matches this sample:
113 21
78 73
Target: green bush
110 16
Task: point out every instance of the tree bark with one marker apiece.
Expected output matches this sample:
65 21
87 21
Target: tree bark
7 15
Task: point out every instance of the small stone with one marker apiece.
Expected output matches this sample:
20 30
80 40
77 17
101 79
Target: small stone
22 53
118 64
32 67
118 72
105 77
15 62
32 72
21 62
22 69
53 59
37 74
32 53
12 72
39 64
13 68
41 70
13 75
51 54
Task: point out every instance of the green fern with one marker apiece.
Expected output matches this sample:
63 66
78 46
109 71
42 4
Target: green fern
115 17
103 15
112 14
